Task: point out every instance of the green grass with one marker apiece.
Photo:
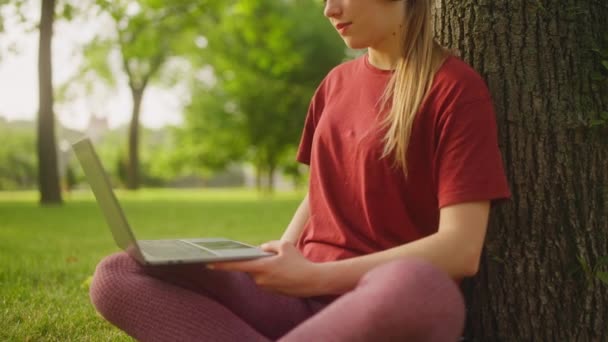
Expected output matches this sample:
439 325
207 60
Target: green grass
47 254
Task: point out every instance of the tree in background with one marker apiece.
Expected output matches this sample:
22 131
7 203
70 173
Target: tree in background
147 35
212 137
266 58
48 176
544 272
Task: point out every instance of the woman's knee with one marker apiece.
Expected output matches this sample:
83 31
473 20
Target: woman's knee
421 293
110 281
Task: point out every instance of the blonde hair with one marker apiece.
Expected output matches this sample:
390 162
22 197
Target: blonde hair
421 58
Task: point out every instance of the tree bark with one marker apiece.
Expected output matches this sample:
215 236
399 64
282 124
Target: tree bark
537 59
133 173
48 175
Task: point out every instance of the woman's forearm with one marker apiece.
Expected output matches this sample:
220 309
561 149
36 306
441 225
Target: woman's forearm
441 249
455 248
294 229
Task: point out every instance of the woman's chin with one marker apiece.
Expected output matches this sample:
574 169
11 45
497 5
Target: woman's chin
354 44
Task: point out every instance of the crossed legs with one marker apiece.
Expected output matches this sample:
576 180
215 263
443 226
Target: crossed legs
406 300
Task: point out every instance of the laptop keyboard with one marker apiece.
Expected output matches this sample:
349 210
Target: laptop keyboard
168 249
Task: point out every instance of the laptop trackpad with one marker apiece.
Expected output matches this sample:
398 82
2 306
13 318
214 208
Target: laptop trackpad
229 248
172 249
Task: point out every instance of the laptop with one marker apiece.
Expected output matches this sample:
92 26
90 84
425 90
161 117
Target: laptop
153 252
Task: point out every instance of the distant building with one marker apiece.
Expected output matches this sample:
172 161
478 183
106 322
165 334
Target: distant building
96 130
97 127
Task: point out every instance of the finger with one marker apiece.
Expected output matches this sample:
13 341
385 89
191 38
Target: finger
271 246
243 266
275 246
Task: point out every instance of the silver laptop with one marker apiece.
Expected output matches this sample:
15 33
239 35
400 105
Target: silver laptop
153 252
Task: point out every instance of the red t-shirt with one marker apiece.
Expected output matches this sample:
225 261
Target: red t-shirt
360 203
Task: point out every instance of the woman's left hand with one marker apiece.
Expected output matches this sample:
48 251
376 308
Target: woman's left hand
287 272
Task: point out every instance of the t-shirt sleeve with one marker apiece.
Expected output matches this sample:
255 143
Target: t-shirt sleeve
312 118
468 162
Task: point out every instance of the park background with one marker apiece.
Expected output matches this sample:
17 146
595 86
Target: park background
196 108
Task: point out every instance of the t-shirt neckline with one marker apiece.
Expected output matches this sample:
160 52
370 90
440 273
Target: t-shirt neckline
374 69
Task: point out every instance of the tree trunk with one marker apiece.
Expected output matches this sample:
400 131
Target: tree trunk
133 164
270 186
48 176
537 59
258 177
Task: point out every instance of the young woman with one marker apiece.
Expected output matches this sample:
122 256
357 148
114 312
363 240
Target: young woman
404 165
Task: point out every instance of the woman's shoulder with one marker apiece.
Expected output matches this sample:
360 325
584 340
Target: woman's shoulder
457 82
349 65
336 78
347 69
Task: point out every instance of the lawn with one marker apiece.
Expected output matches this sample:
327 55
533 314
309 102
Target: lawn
47 254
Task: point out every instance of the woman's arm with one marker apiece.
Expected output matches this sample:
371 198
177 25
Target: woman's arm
455 248
294 229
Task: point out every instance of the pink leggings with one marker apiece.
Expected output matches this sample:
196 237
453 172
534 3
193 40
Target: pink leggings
406 300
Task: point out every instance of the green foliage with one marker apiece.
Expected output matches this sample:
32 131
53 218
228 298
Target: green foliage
267 58
47 254
603 120
70 178
147 33
295 171
208 142
593 272
600 77
18 163
603 277
65 10
121 169
159 147
156 146
96 55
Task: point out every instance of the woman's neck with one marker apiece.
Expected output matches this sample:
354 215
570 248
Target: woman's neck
385 55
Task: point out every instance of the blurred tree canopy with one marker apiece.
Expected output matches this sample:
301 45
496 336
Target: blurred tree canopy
147 33
250 66
262 62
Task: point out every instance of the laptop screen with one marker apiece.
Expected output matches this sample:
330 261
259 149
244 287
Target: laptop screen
102 189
